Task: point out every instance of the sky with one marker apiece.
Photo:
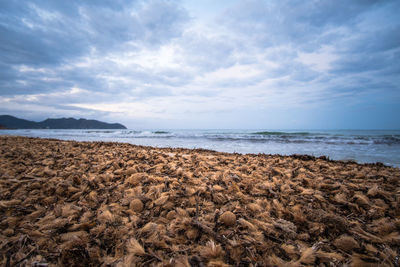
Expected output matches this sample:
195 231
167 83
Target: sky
237 64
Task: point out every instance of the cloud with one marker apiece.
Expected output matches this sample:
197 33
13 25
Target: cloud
157 60
40 40
276 22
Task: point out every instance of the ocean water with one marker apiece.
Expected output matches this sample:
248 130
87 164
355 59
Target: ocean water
364 146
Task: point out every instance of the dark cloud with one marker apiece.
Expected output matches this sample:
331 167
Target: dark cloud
40 32
376 51
208 53
381 40
69 56
49 34
302 23
363 35
361 63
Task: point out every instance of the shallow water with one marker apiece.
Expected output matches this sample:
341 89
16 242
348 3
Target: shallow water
360 145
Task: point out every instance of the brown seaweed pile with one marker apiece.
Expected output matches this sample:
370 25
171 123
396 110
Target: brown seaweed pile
94 203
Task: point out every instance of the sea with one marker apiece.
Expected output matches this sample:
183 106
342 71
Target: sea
363 146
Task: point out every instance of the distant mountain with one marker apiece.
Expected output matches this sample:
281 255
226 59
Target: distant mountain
10 122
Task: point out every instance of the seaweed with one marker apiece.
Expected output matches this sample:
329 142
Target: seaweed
97 203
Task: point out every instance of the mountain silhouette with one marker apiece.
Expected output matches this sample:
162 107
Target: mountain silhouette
11 122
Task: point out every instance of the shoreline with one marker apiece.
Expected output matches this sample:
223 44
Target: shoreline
306 157
360 146
92 203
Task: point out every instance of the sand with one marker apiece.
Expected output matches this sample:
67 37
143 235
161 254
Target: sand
93 203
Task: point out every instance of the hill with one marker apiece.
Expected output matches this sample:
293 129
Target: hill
11 122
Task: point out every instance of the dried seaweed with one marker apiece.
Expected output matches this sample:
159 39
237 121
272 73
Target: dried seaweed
95 203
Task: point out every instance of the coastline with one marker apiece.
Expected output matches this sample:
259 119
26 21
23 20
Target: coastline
111 203
360 146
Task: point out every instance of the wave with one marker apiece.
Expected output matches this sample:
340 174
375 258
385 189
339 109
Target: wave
308 138
362 138
360 145
282 133
161 132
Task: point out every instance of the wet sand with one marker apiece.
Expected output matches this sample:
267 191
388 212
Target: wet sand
93 203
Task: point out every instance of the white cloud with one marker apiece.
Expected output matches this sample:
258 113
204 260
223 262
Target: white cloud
233 73
319 60
148 60
166 56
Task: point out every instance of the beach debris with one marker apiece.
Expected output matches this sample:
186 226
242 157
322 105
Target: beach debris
112 204
228 218
136 205
346 243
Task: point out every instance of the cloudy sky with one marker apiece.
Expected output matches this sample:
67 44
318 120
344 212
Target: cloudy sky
284 64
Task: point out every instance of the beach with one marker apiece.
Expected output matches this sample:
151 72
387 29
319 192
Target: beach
362 146
107 203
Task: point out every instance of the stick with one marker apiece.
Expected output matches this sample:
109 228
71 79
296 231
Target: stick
221 239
